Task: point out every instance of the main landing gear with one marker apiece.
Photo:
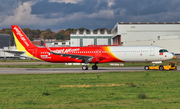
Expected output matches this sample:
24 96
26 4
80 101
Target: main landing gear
95 67
85 67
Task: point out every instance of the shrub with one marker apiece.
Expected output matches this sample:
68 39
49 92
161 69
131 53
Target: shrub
131 84
46 93
142 96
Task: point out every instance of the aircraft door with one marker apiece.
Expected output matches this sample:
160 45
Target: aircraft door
34 52
152 51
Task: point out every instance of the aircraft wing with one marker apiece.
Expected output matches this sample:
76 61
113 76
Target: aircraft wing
81 57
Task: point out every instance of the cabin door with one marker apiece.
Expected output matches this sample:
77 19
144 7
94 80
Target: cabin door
152 51
34 52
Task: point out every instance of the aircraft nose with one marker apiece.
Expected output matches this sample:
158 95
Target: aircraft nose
172 55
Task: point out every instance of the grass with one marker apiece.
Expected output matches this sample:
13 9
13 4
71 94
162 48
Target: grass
149 89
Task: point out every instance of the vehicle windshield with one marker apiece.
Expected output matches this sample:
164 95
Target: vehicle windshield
163 50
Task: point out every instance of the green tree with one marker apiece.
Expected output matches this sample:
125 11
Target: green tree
44 35
47 34
82 29
59 36
49 30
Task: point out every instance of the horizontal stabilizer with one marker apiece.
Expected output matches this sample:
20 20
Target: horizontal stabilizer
15 52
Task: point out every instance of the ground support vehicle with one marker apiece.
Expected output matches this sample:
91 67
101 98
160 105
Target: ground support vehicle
170 66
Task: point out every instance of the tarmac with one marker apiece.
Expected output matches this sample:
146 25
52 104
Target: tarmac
61 70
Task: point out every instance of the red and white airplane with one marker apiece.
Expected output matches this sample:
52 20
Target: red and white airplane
89 54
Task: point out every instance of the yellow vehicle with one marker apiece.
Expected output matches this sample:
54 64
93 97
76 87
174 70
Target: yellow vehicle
170 66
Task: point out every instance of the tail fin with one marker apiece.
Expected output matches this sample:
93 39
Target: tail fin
22 41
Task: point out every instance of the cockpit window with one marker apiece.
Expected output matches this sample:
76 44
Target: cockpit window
163 50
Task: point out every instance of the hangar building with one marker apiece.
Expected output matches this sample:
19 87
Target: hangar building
90 38
4 40
164 34
5 44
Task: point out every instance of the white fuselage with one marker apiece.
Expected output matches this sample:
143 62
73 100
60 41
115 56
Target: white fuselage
140 53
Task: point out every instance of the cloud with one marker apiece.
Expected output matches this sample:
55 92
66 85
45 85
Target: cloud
21 16
66 1
46 7
90 14
110 3
104 14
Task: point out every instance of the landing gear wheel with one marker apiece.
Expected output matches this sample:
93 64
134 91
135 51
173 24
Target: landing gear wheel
161 67
94 67
146 68
84 67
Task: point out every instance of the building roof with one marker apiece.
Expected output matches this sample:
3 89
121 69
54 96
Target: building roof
148 22
92 32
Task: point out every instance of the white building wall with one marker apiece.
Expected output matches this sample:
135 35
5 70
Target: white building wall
147 32
172 45
138 32
91 38
1 53
102 41
59 43
67 43
169 37
88 41
75 42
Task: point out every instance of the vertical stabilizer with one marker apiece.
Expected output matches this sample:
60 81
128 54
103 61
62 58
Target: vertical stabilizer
22 41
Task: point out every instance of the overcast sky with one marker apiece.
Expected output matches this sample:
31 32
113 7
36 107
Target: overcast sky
90 14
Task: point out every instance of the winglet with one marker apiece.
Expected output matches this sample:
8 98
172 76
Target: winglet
48 48
50 51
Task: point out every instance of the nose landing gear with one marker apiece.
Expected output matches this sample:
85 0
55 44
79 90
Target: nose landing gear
84 67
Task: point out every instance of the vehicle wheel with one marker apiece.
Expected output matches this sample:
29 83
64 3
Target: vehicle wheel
161 67
146 68
94 67
175 68
84 67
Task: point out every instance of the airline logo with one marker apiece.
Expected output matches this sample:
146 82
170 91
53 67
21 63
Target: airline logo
70 50
18 32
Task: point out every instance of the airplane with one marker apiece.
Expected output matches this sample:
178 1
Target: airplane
89 54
